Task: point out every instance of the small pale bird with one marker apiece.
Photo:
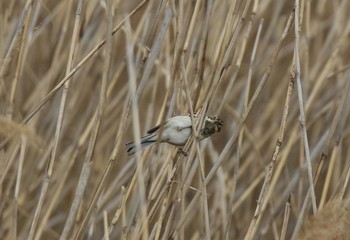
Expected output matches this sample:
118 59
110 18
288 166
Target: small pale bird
176 131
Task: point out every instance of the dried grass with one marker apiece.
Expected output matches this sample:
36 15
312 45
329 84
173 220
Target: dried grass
331 222
79 79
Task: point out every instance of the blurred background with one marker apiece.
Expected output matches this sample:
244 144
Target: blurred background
79 79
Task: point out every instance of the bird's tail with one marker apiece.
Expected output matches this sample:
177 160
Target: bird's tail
145 142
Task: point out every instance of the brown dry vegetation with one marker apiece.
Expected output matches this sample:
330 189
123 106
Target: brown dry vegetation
72 94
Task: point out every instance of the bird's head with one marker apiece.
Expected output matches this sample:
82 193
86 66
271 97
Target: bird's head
212 124
216 121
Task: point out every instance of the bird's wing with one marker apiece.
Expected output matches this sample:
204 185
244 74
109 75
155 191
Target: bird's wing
154 129
181 122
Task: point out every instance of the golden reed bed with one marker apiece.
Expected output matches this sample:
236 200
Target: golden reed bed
79 79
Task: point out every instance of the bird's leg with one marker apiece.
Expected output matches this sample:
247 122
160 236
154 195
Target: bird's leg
182 151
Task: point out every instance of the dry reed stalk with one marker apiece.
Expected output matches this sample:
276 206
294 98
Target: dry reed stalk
64 172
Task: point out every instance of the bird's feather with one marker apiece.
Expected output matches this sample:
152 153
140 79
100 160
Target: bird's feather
132 149
154 129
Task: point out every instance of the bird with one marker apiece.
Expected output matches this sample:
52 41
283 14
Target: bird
176 131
